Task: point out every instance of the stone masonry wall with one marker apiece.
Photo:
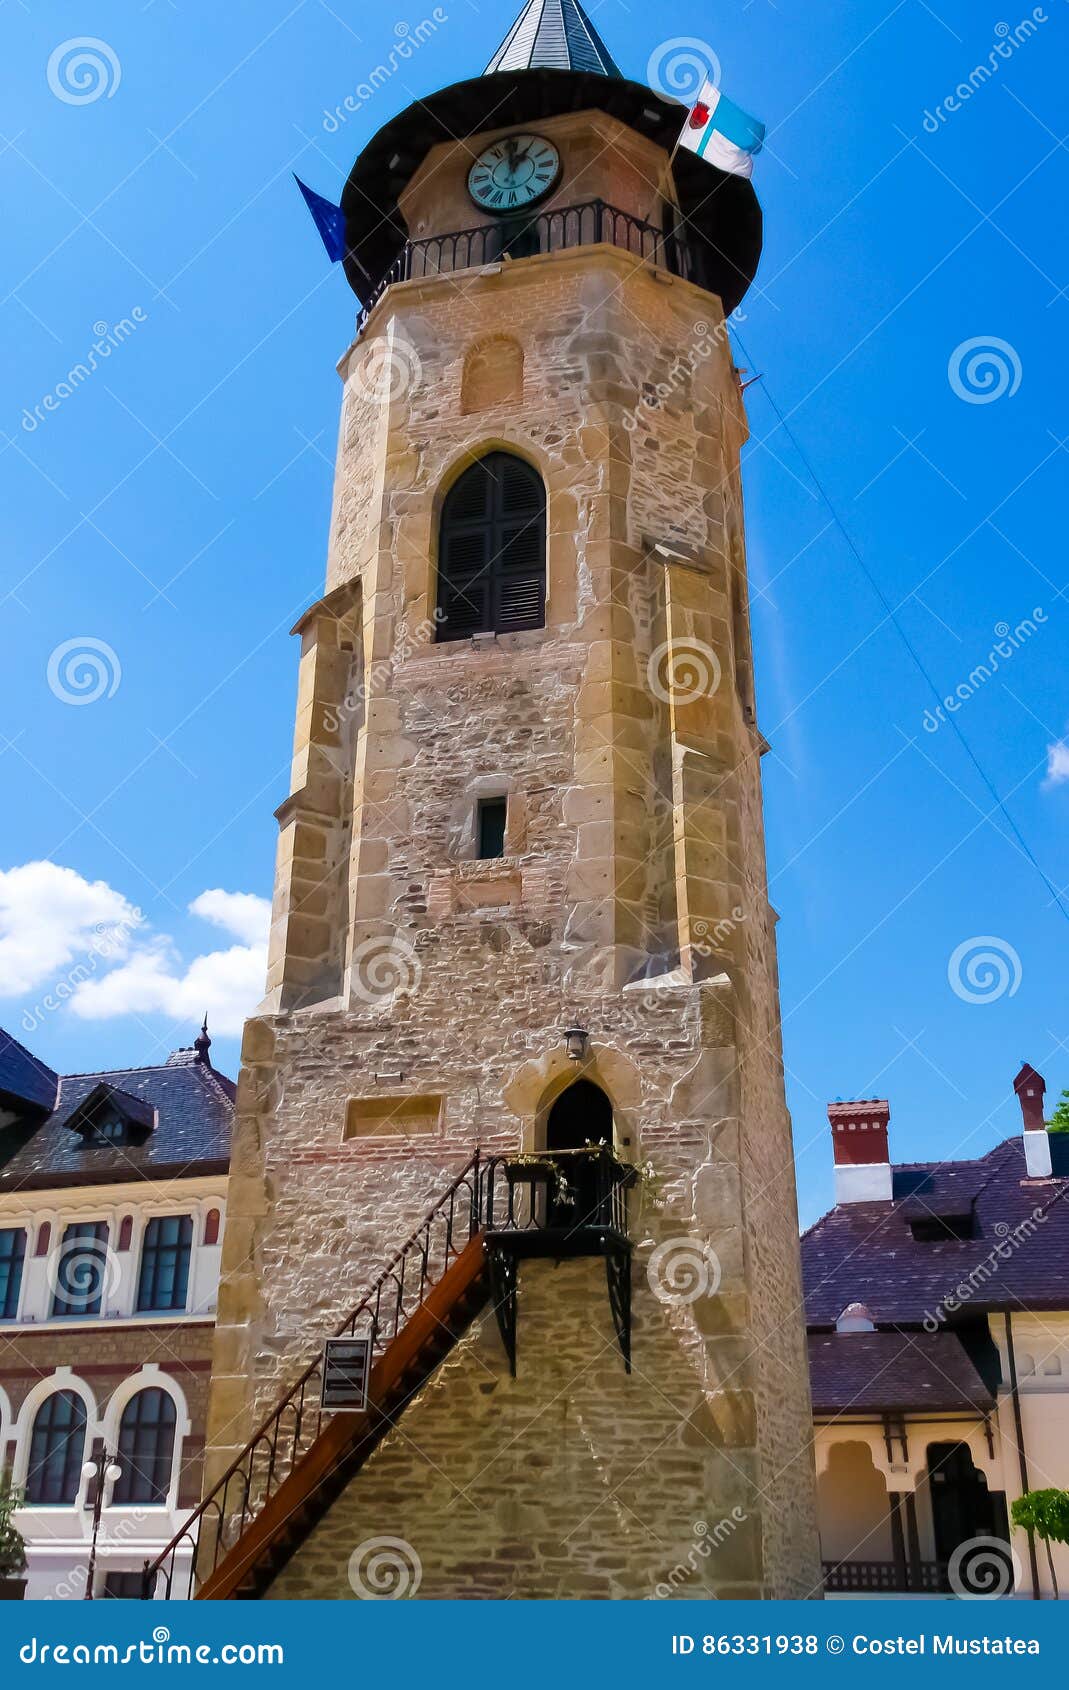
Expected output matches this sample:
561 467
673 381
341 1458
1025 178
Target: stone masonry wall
632 898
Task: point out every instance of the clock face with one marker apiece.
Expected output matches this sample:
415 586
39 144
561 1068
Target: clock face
511 174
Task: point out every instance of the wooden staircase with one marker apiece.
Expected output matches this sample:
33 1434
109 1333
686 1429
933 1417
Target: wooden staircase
347 1441
496 1212
299 1461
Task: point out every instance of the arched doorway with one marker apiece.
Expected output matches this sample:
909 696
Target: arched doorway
581 1117
962 1506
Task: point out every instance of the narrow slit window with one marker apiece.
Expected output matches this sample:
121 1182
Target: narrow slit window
491 818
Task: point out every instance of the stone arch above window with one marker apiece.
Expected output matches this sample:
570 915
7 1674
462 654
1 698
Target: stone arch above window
492 550
493 374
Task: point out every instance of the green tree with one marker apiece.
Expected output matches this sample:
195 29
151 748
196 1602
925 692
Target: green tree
12 1548
1046 1513
1059 1121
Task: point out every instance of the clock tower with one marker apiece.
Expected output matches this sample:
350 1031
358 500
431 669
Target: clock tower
512 1109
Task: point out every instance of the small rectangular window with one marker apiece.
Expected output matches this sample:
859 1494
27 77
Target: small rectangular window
491 827
12 1256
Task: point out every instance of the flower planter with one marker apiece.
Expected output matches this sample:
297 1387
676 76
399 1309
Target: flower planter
12 1590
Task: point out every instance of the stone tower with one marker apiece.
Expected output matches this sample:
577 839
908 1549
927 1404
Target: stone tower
521 899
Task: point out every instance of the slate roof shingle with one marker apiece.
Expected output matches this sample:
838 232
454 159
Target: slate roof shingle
880 1372
193 1105
24 1078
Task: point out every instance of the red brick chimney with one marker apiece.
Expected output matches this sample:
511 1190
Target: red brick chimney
861 1150
1030 1088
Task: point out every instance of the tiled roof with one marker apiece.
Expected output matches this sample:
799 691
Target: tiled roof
194 1107
24 1077
553 35
888 1372
1018 1258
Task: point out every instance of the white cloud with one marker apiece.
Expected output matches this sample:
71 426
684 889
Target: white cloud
243 914
1058 763
50 915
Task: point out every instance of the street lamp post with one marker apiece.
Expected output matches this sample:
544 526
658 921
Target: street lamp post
105 1470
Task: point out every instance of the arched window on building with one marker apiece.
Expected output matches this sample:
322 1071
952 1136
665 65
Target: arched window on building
492 550
57 1445
146 1448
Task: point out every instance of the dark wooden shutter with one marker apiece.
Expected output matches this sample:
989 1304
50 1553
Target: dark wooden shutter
492 550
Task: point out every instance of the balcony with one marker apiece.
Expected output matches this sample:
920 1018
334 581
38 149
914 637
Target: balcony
594 223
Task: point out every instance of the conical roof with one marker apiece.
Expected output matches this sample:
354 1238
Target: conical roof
553 35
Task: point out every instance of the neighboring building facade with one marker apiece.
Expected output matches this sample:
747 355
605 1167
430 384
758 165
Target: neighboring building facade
112 1203
521 898
937 1300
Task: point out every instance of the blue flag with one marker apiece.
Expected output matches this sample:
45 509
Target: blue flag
329 220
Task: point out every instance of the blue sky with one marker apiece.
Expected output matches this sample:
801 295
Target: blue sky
174 509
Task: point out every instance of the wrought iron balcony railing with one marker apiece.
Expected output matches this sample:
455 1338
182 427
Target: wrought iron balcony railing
886 1578
593 223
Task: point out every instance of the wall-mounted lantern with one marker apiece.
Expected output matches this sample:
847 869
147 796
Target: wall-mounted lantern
575 1040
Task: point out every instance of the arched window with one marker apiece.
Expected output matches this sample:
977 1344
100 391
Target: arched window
146 1448
165 1255
57 1445
492 550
